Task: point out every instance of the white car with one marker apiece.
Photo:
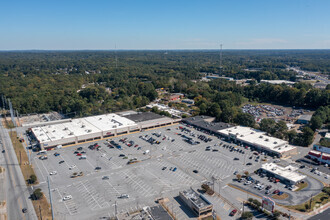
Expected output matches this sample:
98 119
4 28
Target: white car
247 183
72 167
67 198
53 173
326 176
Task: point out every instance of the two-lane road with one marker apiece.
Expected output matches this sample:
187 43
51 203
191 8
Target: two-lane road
17 194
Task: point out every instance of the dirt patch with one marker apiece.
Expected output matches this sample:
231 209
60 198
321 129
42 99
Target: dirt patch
301 186
280 197
42 208
22 157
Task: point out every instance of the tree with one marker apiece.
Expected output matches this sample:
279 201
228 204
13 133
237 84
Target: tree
268 125
247 215
246 173
32 179
316 122
245 119
239 177
37 194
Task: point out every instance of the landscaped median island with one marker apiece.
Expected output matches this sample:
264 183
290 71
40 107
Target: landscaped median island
315 202
39 201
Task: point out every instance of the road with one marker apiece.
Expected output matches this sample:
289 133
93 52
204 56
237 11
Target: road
17 191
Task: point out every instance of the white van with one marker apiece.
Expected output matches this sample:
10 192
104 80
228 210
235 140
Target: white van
83 157
42 152
59 146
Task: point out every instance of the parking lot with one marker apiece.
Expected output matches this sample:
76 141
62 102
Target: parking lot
105 179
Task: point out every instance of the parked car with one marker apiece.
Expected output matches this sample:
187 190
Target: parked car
62 161
56 154
123 196
53 173
236 158
195 171
164 168
249 164
105 177
65 198
232 213
24 210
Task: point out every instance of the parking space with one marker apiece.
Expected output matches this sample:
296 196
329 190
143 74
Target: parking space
130 171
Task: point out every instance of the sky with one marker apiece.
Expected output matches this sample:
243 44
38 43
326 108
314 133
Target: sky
164 24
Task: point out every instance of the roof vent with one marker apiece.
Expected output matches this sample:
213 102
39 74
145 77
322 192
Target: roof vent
252 132
54 131
242 135
260 136
71 133
89 130
100 118
267 139
83 126
275 142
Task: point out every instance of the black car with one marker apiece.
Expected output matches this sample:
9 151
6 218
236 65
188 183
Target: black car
302 166
3 151
97 168
62 161
24 210
236 158
195 171
250 157
79 148
249 164
215 150
164 168
121 155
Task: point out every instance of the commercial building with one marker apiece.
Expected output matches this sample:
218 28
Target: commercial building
319 156
304 119
159 213
188 101
258 140
197 203
287 175
206 123
277 82
327 136
96 127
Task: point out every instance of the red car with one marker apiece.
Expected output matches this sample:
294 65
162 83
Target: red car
232 213
136 145
78 154
276 191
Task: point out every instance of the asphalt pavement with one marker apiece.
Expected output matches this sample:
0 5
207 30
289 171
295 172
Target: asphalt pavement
17 196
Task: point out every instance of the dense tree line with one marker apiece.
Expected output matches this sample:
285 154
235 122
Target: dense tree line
90 82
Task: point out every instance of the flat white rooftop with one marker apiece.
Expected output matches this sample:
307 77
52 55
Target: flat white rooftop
81 127
257 138
288 172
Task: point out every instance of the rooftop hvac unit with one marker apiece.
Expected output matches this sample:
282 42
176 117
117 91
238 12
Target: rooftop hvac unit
46 132
89 130
114 126
267 139
66 128
62 137
83 126
260 136
275 142
100 118
54 131
41 134
237 133
71 133
252 132
242 135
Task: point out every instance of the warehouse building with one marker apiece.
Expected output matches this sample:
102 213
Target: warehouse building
96 127
304 119
197 203
258 140
287 175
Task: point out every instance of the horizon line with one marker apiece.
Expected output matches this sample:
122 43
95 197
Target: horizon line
13 50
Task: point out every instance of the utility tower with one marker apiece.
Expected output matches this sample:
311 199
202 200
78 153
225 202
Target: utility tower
220 63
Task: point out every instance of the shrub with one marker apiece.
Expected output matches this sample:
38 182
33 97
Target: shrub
247 215
32 179
37 194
